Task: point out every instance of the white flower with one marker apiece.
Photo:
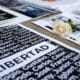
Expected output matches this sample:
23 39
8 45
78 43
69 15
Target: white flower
62 28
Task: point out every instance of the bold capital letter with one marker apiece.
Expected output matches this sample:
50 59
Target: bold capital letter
9 64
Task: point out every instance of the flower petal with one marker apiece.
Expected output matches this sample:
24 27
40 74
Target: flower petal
62 28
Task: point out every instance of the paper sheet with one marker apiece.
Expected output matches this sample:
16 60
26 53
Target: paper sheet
72 11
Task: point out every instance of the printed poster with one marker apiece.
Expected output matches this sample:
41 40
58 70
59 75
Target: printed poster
29 10
8 17
48 24
28 55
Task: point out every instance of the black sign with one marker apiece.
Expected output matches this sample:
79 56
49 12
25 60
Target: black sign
59 63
